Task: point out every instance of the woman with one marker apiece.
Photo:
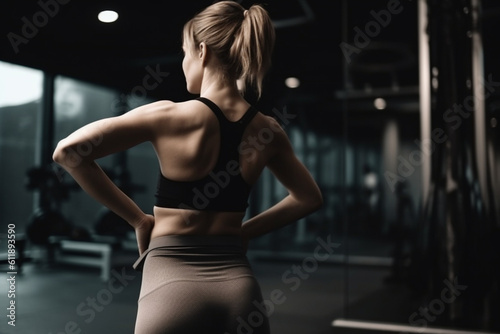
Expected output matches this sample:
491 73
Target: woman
196 278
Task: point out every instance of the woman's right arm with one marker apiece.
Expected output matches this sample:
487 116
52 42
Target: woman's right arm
304 196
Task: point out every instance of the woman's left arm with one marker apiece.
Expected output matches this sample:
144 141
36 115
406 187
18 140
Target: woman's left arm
77 154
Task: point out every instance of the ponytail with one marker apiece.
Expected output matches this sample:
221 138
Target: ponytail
242 40
253 46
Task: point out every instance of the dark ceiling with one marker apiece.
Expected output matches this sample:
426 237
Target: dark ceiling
70 40
65 37
73 42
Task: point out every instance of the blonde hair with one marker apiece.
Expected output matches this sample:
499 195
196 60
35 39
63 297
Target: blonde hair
242 40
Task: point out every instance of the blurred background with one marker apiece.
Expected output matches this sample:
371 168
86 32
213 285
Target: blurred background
392 104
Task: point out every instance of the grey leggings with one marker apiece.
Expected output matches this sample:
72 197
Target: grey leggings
198 284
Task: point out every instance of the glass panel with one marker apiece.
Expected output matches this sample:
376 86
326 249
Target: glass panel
20 94
135 171
320 151
383 181
142 164
77 103
411 265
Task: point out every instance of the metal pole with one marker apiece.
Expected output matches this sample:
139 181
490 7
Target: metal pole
45 136
424 96
478 80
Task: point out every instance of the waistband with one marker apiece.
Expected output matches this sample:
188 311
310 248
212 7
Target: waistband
181 241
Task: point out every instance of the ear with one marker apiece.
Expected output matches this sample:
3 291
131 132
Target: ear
203 53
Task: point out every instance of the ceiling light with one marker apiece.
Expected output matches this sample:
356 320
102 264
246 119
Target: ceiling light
108 16
380 103
292 82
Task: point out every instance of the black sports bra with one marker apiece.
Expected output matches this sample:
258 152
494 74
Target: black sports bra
223 189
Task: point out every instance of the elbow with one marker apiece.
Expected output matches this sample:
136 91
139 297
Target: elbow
310 202
313 202
57 155
65 156
317 202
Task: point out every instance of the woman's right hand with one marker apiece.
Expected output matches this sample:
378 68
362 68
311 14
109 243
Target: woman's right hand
143 232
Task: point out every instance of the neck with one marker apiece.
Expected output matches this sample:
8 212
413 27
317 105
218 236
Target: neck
220 90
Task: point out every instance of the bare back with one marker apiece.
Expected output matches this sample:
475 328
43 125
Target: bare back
188 149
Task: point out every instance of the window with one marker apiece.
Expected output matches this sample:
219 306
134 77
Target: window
20 96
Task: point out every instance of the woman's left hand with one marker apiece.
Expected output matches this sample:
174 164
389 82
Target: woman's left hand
143 232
